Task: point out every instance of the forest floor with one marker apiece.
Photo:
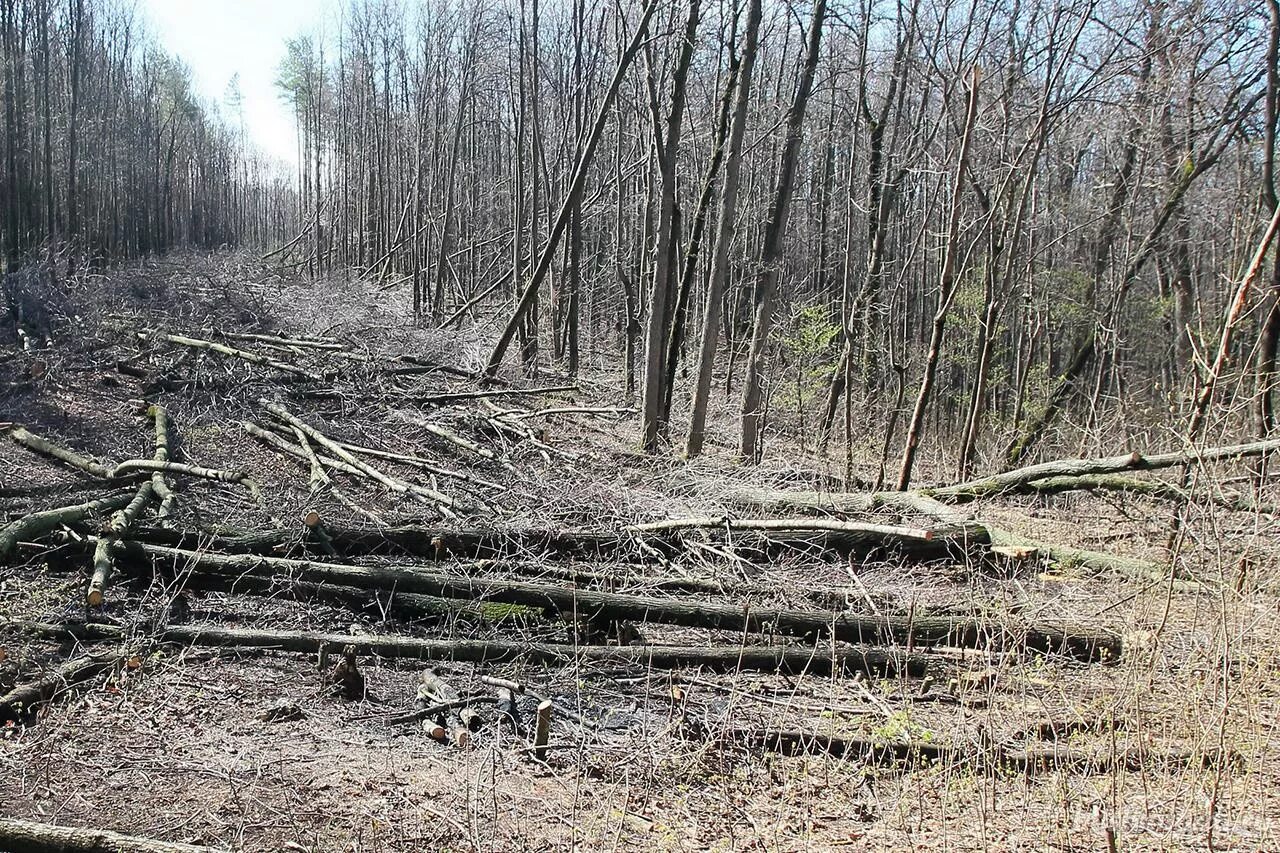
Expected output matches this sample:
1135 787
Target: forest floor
1171 746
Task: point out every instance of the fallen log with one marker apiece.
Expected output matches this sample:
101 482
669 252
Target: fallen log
39 524
974 532
924 753
1013 481
41 445
780 500
349 542
937 630
119 525
789 659
1143 571
159 482
1156 488
305 343
30 837
25 699
867 530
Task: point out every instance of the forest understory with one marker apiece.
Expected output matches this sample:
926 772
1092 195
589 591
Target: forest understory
347 597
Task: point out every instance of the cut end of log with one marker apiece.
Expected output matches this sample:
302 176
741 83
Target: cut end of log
311 519
1017 553
542 730
94 597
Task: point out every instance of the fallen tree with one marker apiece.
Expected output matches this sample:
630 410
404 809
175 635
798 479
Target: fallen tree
973 532
1020 478
245 355
918 753
790 659
751 539
936 630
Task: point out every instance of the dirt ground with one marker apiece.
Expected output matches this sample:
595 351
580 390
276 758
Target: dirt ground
173 744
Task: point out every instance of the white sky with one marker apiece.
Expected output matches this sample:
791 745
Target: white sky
217 38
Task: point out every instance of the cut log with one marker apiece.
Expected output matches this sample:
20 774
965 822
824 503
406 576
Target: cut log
38 524
1142 571
939 630
24 836
435 692
788 659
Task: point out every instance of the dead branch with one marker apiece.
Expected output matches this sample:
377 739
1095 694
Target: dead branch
245 355
397 485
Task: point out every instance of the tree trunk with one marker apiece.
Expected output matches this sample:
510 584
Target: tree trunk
724 236
771 253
